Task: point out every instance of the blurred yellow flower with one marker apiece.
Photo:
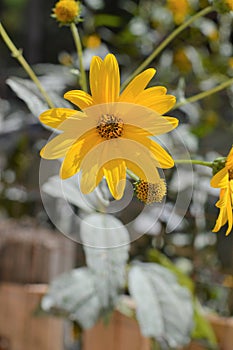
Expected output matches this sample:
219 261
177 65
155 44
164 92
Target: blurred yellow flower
230 62
182 61
92 41
179 9
223 179
66 11
112 133
229 4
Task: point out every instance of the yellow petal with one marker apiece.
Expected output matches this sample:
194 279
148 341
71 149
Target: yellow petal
137 85
220 179
57 147
229 215
153 176
55 116
76 153
221 220
91 177
78 127
153 91
80 98
163 159
141 117
160 104
115 174
110 83
95 79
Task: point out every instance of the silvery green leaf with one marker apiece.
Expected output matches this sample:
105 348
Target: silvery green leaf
27 91
55 77
74 294
164 309
69 191
106 244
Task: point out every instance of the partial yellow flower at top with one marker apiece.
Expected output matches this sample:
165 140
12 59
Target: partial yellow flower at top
112 133
223 6
229 3
223 179
66 11
179 9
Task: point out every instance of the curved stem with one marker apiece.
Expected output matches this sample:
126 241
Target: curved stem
77 41
193 161
165 43
18 55
204 94
132 175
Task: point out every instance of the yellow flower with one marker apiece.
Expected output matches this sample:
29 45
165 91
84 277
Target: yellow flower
179 9
66 11
223 179
112 133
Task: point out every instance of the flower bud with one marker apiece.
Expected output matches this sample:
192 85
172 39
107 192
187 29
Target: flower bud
149 193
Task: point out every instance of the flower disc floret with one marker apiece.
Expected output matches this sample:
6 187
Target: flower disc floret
109 126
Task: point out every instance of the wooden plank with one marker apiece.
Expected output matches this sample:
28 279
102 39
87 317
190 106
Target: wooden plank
31 254
19 327
122 333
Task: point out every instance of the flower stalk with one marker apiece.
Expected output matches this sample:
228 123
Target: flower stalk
193 161
78 44
17 53
166 42
205 94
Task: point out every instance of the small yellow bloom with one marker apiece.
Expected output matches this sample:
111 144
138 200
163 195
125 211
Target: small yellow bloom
92 41
182 61
223 179
179 9
66 11
112 133
150 193
230 62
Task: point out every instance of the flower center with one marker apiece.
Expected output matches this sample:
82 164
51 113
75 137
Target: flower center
109 126
150 193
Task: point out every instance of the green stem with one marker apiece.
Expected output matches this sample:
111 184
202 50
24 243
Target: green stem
204 94
132 175
165 43
18 55
193 161
77 41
